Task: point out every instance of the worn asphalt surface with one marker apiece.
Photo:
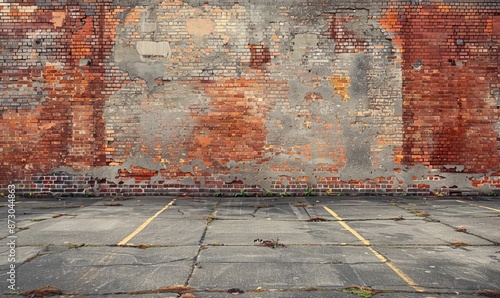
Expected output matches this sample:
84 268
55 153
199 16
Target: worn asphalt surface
381 246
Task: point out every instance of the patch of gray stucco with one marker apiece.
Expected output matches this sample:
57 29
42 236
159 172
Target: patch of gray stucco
358 132
130 61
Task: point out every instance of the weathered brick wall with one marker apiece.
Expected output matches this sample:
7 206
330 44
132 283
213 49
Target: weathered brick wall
208 97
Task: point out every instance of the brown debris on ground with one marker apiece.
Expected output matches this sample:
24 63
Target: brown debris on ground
316 219
47 291
488 293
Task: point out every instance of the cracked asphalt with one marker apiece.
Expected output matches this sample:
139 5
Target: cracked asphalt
374 246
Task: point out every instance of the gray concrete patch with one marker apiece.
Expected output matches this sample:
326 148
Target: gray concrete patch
102 270
241 232
443 268
163 231
209 244
290 254
407 232
366 211
63 231
297 293
22 254
283 275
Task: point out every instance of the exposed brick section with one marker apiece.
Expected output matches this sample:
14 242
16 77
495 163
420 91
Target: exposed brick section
259 55
346 40
54 85
450 67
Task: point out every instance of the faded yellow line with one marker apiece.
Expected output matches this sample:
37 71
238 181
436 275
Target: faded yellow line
144 224
383 259
485 207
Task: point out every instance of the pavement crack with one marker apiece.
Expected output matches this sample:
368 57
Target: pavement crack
201 245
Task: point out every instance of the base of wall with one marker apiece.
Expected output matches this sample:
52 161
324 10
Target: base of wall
65 185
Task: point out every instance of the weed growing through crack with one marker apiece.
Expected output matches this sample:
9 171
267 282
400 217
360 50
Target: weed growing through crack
269 243
242 193
360 291
269 193
309 192
284 194
420 213
211 217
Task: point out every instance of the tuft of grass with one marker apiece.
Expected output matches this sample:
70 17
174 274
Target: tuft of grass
269 193
309 192
242 193
365 292
420 213
211 217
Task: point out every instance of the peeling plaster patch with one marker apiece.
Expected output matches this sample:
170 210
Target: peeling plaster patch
131 61
457 168
302 43
153 48
199 27
58 18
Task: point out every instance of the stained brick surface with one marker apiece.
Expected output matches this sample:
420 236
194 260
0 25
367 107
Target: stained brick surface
207 97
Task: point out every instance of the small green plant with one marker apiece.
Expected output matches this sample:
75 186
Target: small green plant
309 192
88 192
269 193
359 291
211 217
420 213
284 194
242 193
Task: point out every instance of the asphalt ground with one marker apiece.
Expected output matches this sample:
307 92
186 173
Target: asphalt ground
373 246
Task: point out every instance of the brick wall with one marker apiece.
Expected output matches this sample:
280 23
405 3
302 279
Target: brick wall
213 97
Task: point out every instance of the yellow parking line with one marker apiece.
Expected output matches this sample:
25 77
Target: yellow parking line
485 207
366 242
144 224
